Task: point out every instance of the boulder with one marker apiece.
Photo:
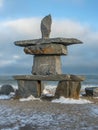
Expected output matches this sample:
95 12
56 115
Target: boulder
6 89
68 89
91 91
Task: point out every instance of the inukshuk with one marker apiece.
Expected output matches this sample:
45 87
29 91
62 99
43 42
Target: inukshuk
47 59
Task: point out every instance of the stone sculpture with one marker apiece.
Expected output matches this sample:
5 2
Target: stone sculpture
47 51
47 62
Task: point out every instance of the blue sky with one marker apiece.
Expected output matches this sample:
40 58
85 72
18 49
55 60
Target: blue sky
20 19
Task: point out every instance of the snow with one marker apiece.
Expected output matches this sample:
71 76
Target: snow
95 110
63 100
83 117
49 90
30 98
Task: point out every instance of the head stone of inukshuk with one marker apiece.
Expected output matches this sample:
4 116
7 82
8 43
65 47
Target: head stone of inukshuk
46 26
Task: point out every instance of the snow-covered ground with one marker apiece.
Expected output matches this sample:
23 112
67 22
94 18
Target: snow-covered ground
30 98
59 114
15 115
71 101
61 100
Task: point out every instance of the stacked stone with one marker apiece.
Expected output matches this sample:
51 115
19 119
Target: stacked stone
47 51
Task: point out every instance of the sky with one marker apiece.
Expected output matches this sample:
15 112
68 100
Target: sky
20 20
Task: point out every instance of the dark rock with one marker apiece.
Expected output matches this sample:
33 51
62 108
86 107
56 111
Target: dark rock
46 26
91 91
46 65
46 49
27 127
6 89
46 98
68 89
58 40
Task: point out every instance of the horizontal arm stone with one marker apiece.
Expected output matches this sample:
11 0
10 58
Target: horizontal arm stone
59 77
63 41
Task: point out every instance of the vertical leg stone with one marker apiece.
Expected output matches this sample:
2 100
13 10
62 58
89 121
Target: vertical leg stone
68 89
27 88
46 65
74 89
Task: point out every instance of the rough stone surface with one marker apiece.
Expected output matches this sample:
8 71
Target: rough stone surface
91 91
95 93
6 89
48 49
68 89
58 40
46 26
58 77
69 85
46 65
27 88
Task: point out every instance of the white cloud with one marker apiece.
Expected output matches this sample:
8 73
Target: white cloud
30 28
22 27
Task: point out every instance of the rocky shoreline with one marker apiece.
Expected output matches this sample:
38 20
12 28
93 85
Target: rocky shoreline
39 115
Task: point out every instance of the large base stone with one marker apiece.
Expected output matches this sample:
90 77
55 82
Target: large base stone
27 88
68 89
46 65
